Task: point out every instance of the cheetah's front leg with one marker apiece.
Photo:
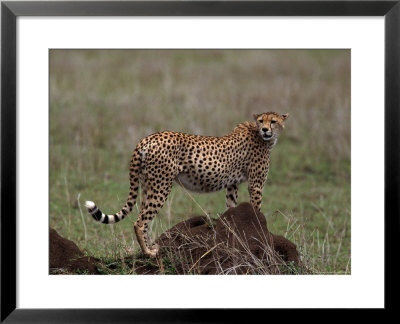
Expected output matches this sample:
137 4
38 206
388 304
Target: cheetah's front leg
231 196
255 193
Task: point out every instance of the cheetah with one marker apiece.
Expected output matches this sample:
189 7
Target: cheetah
199 164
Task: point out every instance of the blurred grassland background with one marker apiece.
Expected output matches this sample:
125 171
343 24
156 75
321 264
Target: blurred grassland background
102 102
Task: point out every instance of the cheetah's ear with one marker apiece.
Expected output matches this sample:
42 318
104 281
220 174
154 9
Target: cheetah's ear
285 116
255 116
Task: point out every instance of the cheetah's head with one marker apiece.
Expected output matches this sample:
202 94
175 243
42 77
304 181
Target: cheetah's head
270 124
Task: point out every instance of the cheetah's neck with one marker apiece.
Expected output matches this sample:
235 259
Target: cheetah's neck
245 126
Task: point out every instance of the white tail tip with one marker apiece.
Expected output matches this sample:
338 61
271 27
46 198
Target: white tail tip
90 204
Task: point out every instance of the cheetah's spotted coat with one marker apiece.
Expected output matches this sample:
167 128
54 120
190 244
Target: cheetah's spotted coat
198 163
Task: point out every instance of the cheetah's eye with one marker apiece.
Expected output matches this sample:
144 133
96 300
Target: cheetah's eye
260 121
273 121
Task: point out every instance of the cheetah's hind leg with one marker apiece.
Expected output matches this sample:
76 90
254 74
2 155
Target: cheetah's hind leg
143 239
150 208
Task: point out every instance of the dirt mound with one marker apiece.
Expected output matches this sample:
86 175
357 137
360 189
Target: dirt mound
65 257
238 242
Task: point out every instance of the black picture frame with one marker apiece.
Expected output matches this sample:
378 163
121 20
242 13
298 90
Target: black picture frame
9 13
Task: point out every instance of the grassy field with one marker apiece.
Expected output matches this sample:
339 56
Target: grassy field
102 102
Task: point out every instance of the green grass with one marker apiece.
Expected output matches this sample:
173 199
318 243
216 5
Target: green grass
102 102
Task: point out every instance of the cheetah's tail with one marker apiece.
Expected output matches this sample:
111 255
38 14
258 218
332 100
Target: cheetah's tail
134 171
